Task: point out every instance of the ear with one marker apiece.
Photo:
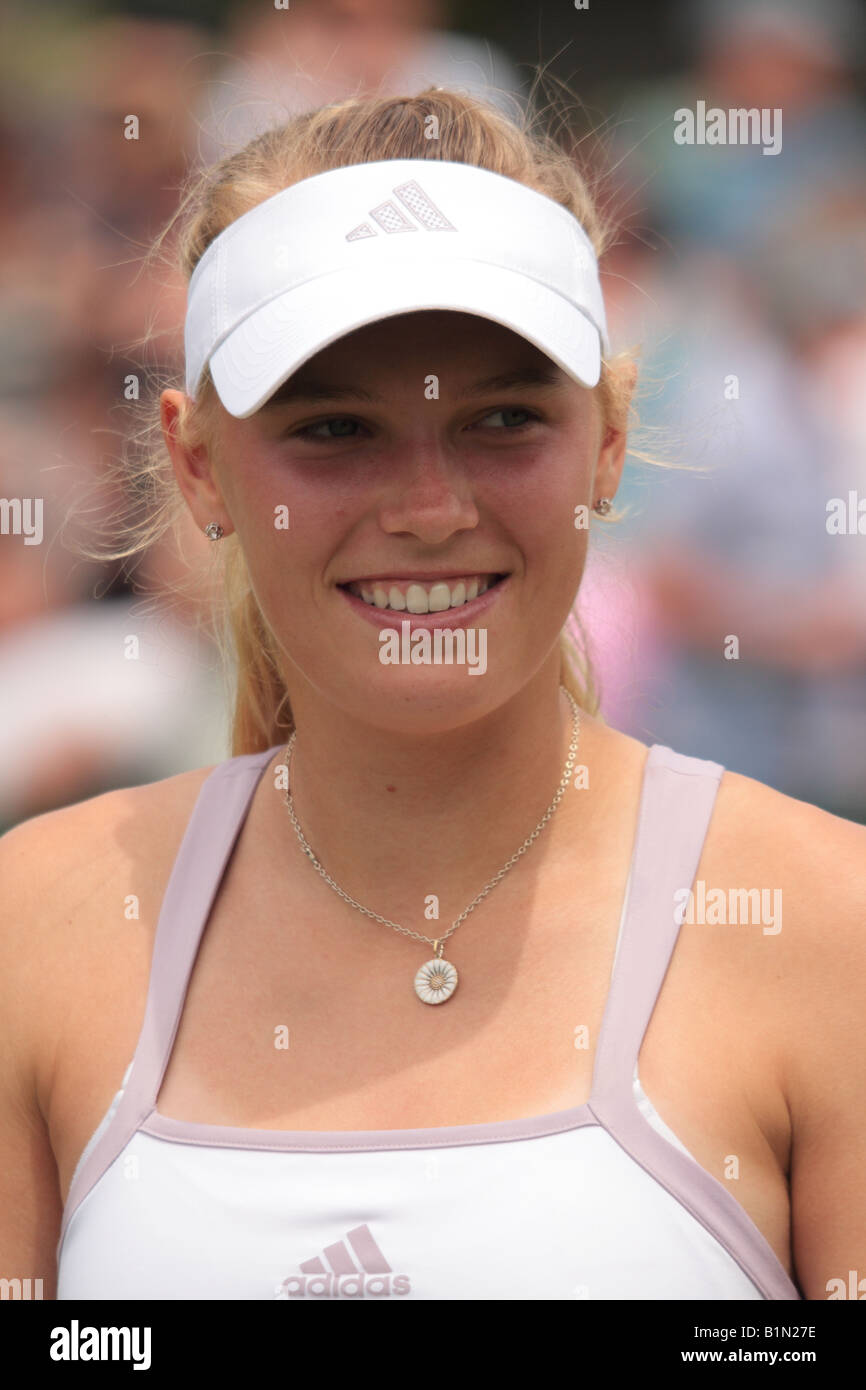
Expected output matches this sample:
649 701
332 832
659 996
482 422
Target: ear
611 454
193 467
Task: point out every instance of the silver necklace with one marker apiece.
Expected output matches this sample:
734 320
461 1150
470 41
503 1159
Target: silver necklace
436 980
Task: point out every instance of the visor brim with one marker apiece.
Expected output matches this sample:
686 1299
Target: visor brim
277 339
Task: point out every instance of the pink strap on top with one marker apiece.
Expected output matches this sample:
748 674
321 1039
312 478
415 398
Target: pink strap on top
214 826
679 794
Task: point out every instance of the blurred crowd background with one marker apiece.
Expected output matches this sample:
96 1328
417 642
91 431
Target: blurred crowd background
742 276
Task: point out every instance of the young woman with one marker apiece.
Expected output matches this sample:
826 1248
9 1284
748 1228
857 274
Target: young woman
415 1003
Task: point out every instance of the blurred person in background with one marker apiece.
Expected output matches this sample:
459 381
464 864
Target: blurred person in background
102 682
288 61
793 55
95 694
760 295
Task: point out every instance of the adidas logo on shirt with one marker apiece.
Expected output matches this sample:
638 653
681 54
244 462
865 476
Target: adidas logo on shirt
336 1274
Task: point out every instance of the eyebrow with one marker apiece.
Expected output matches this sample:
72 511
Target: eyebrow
311 390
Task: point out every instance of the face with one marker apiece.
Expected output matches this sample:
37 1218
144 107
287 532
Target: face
409 478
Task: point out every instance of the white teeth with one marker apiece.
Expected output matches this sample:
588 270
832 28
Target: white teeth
420 599
416 599
439 598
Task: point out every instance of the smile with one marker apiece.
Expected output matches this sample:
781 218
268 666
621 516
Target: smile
468 598
416 596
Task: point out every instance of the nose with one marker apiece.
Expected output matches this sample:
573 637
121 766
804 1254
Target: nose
429 494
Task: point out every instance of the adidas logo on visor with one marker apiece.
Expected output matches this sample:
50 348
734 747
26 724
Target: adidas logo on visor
391 218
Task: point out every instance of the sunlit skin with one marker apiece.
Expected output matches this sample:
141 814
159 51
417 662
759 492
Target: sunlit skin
415 485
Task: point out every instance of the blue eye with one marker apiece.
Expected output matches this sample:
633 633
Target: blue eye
514 410
307 431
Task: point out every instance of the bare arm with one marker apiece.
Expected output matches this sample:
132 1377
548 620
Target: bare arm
30 1205
826 1063
62 876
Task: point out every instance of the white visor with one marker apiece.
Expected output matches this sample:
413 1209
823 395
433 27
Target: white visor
329 255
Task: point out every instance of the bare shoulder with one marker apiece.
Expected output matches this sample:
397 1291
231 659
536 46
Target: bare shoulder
64 879
761 839
813 864
819 858
813 976
80 840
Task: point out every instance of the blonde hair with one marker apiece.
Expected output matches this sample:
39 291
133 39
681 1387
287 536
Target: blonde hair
354 131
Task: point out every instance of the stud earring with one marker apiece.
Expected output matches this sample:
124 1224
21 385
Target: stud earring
214 531
602 506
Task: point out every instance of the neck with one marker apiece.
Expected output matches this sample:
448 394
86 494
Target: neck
395 817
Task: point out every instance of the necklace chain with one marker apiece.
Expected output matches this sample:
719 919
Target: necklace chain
438 942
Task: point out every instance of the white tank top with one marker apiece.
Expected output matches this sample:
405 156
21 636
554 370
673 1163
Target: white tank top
601 1201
